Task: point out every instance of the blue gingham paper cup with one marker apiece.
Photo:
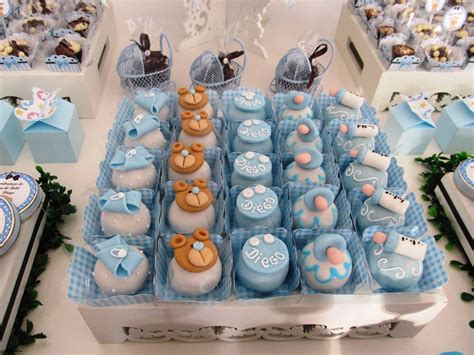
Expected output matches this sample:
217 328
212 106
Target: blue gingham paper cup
125 111
218 128
344 220
359 274
163 289
232 128
228 97
434 273
238 238
84 290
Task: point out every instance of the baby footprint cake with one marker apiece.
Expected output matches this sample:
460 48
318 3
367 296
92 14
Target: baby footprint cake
144 130
196 268
194 100
306 168
123 213
247 105
133 168
121 269
192 207
197 128
252 168
188 163
326 264
381 208
257 206
253 136
355 136
263 263
306 135
155 103
315 209
396 261
296 106
347 106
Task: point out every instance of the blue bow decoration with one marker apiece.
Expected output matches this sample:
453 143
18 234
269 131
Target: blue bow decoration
121 202
135 158
61 60
141 125
405 60
152 101
10 61
119 257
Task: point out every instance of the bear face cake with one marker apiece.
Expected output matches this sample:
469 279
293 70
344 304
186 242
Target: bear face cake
133 169
253 136
296 106
194 100
144 130
306 135
197 128
192 207
355 136
381 208
369 168
263 263
123 213
306 168
251 168
326 264
121 269
188 163
347 106
196 268
155 103
257 206
315 209
247 105
396 261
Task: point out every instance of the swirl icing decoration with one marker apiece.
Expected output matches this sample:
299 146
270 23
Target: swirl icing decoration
135 158
42 107
373 216
120 202
141 125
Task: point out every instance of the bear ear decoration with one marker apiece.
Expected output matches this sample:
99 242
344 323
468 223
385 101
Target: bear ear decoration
177 147
201 183
182 91
199 88
308 158
180 185
203 115
187 115
318 198
178 241
201 234
197 147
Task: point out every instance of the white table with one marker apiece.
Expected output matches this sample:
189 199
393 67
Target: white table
59 318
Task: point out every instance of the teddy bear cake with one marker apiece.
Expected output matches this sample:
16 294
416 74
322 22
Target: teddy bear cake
315 209
347 106
194 100
306 135
355 136
155 103
306 168
253 136
247 105
251 168
296 106
197 128
144 130
188 163
133 168
196 268
257 206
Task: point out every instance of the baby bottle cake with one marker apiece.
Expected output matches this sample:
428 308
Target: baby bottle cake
315 209
306 135
306 168
252 168
248 105
188 163
194 100
253 136
197 128
155 103
296 106
257 206
144 130
355 136
133 168
347 106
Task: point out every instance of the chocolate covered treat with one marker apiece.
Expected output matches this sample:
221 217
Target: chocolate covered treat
371 12
81 25
405 13
425 30
226 62
15 48
439 53
455 2
153 61
34 25
462 33
400 50
385 31
42 7
470 51
69 48
87 8
470 17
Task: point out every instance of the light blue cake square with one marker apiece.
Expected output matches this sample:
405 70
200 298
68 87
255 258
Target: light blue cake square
11 135
57 139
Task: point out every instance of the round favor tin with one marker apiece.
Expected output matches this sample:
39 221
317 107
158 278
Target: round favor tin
464 178
9 224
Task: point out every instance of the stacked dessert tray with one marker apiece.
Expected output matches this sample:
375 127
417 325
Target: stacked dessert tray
231 312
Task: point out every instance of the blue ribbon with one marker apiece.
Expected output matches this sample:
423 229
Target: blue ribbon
405 61
121 202
135 158
141 125
62 60
10 60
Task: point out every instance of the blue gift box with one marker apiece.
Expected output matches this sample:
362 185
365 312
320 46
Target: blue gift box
409 130
57 139
11 135
456 127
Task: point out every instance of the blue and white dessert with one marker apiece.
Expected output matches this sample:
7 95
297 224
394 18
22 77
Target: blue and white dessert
253 136
133 168
381 208
369 168
263 263
315 209
123 213
156 103
347 106
355 136
296 106
326 264
306 168
9 224
248 105
144 130
396 261
252 168
257 206
306 135
464 178
197 128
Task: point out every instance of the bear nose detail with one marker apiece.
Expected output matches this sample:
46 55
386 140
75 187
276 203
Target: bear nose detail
184 153
198 246
195 190
197 117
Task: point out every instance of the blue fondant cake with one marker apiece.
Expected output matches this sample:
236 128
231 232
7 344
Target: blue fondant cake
296 106
252 168
257 206
306 135
253 136
338 111
306 168
247 105
355 136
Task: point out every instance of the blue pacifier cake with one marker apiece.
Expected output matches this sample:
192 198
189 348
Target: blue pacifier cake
263 263
156 103
315 209
247 105
347 106
306 135
326 264
253 136
355 136
252 168
144 130
296 106
257 206
133 168
306 168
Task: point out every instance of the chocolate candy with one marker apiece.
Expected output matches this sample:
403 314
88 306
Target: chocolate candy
369 13
15 48
33 25
470 51
81 25
87 8
400 50
69 49
439 53
385 31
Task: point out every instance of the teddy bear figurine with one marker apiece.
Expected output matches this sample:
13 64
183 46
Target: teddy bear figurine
194 100
197 128
188 163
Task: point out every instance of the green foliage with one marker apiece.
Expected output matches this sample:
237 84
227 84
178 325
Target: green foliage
59 206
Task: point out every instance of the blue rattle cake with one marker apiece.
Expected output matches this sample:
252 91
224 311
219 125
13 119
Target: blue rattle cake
315 209
346 107
253 136
144 130
296 106
306 168
247 105
156 103
252 168
133 168
355 136
306 135
257 206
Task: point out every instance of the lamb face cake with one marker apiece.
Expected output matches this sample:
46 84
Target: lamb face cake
197 128
133 168
315 209
124 213
263 263
296 106
306 135
253 136
9 224
247 105
155 103
306 168
194 100
144 130
196 268
347 106
257 206
252 168
355 136
188 163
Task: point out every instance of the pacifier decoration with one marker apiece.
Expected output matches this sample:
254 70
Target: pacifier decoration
308 158
135 158
120 202
319 199
307 130
43 106
419 105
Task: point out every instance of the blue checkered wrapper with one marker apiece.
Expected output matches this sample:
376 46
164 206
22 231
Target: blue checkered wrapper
285 127
125 111
228 97
329 167
164 255
359 276
172 98
92 230
283 203
277 171
238 238
343 206
278 103
218 128
212 156
218 204
84 290
232 133
434 273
